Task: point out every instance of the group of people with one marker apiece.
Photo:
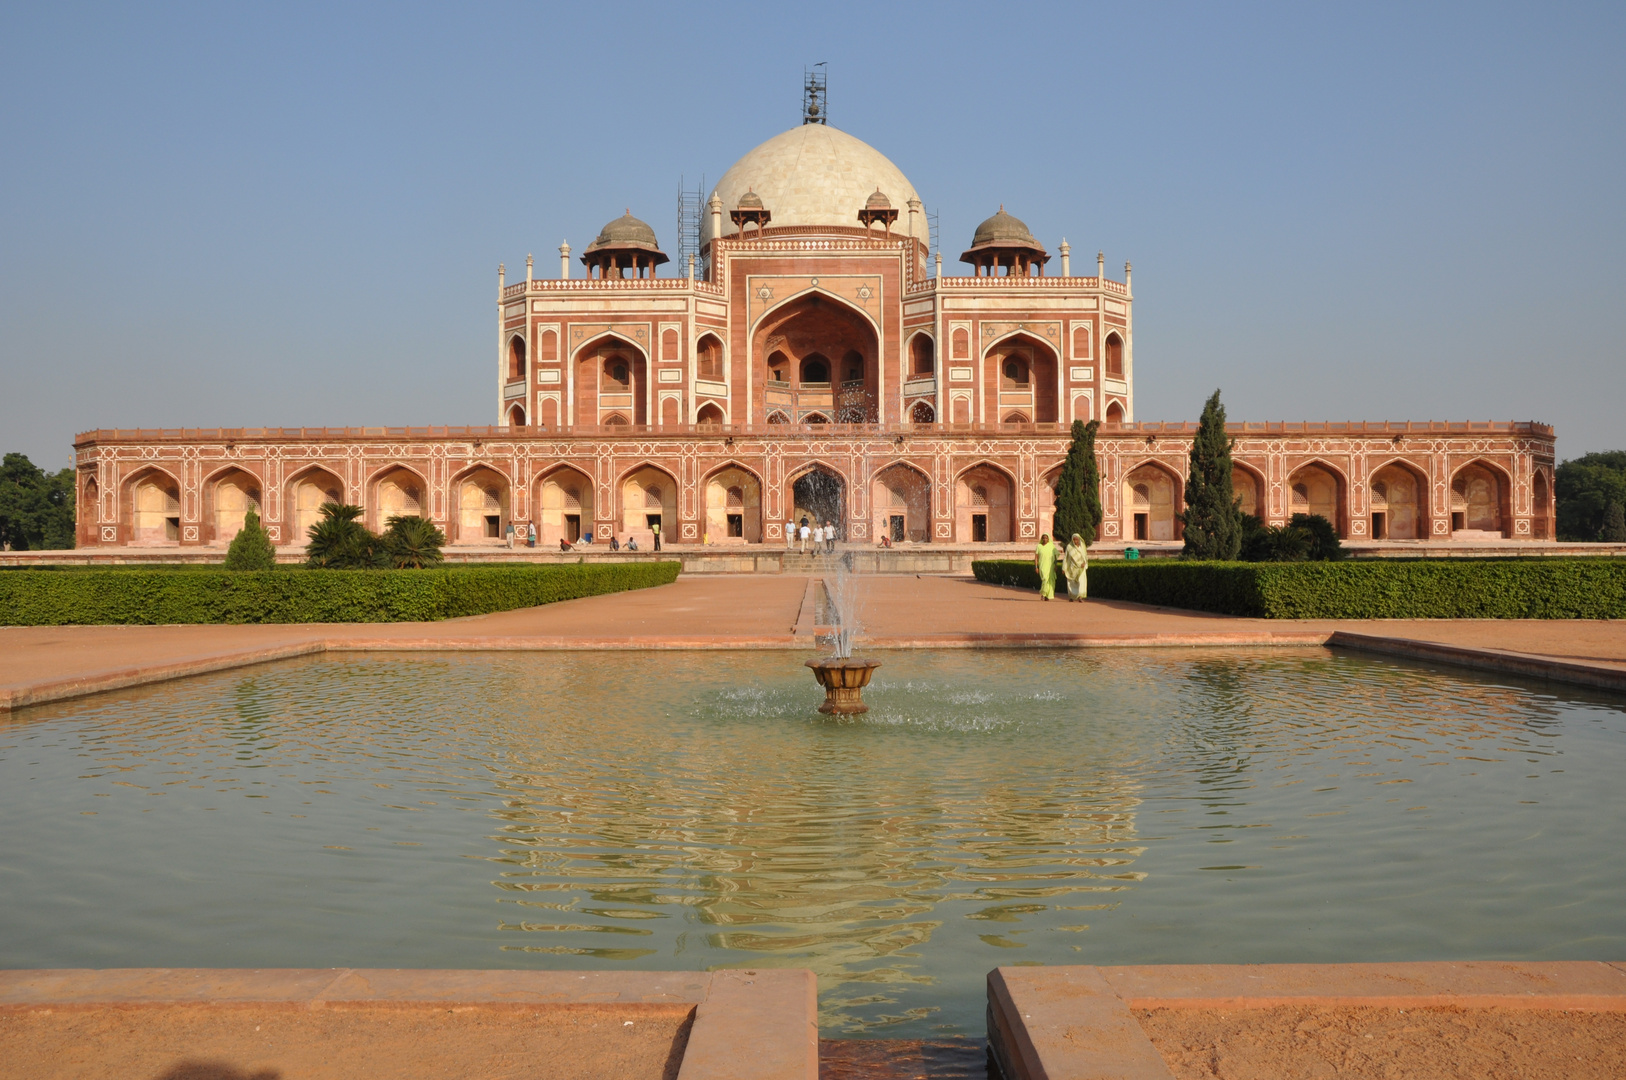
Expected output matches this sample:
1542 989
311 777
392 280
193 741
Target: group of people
822 536
1075 561
526 534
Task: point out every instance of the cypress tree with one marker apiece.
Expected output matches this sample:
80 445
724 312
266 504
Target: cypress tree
1213 523
251 548
1078 488
1614 522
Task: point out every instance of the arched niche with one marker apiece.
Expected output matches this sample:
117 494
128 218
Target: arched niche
564 500
1021 378
922 413
1113 355
481 502
398 492
612 378
229 496
308 491
1151 503
1541 506
1480 502
829 351
1248 490
922 357
669 345
516 415
153 499
710 415
1081 343
1398 502
733 507
1317 489
649 496
1115 412
709 358
984 507
901 499
516 357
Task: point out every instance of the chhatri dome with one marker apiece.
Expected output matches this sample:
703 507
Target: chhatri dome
813 175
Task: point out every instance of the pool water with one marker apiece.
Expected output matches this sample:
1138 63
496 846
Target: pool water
691 810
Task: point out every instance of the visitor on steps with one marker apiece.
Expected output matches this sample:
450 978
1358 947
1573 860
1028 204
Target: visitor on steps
829 538
656 529
818 538
615 545
508 536
564 545
805 531
632 543
1074 564
1044 561
530 535
790 533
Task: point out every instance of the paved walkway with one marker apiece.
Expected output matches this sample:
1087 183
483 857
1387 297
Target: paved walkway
40 664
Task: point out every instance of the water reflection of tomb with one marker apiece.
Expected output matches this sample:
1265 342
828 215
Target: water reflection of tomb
808 330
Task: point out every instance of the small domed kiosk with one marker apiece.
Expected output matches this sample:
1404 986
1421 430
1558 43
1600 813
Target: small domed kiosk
1005 241
624 244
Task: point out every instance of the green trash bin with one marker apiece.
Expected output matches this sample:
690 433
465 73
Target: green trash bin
1131 553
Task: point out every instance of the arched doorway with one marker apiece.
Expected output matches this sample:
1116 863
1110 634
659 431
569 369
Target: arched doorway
922 358
1151 498
1020 381
901 497
516 416
398 492
819 494
231 496
922 413
1397 504
649 498
983 507
733 507
818 354
1479 497
307 493
1541 507
1115 412
565 507
1316 489
155 509
482 508
612 378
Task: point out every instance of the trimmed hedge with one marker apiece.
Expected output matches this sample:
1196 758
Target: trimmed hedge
211 595
1528 588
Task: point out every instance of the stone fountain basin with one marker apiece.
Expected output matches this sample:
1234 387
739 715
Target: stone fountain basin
843 680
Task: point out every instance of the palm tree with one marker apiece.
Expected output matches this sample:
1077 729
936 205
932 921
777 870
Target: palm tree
341 542
412 542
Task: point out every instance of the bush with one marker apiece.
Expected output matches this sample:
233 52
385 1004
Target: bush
412 543
211 595
251 548
1544 588
341 542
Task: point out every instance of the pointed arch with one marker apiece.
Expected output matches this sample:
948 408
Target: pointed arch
1152 498
901 502
596 398
710 413
305 491
818 493
516 357
1326 495
822 294
150 507
1248 485
229 493
1021 373
647 496
396 490
1397 501
733 504
921 349
481 496
985 504
564 504
1481 494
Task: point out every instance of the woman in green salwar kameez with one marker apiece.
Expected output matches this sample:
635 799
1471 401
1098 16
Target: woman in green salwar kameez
1044 561
1075 561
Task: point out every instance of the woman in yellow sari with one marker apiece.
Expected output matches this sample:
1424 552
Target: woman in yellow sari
1074 563
1044 561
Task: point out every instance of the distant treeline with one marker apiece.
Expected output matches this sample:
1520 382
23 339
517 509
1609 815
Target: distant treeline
36 507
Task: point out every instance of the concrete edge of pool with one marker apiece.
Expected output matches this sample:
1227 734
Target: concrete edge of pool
1063 1023
730 1024
139 671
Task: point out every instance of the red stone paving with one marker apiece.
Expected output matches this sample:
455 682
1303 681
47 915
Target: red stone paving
741 611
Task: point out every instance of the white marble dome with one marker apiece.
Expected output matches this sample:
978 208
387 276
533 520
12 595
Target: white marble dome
814 175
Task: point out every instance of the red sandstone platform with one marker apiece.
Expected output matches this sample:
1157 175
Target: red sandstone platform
211 1024
41 664
1548 1020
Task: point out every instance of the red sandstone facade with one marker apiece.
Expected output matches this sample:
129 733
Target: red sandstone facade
809 366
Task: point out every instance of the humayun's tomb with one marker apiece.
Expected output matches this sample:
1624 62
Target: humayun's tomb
808 359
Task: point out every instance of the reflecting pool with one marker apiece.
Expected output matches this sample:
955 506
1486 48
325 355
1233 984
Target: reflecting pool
690 810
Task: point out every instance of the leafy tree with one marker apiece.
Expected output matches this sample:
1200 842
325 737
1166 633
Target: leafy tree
1213 523
36 507
341 542
1585 487
251 548
412 542
1324 537
1078 488
1307 537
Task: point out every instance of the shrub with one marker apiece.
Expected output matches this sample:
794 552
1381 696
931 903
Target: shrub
292 595
1536 588
412 543
341 542
251 548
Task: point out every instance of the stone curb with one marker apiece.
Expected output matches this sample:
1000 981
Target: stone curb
1074 1023
746 1025
1576 672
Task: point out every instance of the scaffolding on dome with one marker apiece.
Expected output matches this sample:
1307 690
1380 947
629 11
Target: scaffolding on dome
931 234
815 104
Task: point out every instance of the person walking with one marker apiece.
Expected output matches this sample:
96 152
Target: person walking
818 538
530 535
508 536
804 534
790 533
656 529
1075 563
1044 561
829 538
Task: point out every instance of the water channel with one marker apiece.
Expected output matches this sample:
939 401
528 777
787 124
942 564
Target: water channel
691 810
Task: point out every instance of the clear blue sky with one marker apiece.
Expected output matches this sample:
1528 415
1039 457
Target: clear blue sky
232 214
